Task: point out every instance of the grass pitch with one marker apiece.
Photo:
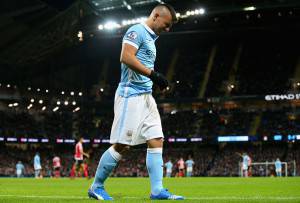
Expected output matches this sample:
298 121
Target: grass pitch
137 189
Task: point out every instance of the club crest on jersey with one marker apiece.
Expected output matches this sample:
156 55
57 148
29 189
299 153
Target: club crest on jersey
132 35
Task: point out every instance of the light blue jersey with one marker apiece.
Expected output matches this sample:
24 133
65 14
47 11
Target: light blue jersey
143 38
20 167
168 166
189 167
278 165
246 160
189 163
37 162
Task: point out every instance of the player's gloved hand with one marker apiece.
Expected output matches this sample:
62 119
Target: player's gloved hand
159 80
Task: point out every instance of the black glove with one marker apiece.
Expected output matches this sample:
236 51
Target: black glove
159 80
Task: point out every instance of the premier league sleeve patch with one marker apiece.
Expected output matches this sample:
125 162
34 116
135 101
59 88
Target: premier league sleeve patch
132 35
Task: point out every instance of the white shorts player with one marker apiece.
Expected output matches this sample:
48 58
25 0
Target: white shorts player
19 172
189 169
245 167
136 120
37 167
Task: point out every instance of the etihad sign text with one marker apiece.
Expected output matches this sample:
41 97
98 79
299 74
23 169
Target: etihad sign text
282 97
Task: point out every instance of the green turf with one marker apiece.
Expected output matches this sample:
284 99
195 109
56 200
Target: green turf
137 189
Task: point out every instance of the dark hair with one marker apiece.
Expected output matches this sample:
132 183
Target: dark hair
171 9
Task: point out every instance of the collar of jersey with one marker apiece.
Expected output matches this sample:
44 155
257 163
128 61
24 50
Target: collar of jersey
150 30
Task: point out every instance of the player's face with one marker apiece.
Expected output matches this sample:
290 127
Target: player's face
163 23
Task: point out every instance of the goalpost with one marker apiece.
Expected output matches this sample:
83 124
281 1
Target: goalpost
265 168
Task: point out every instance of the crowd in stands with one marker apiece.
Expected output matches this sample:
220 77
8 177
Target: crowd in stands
205 123
279 122
211 159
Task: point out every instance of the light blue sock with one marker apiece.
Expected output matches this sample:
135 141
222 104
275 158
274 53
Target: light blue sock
107 163
154 164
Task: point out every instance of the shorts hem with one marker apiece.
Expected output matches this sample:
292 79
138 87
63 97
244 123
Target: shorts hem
154 137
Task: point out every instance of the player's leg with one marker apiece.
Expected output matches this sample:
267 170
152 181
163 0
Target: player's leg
125 118
168 174
55 172
177 172
77 168
151 130
181 173
154 162
41 173
73 171
81 169
246 173
107 163
191 172
279 173
188 174
58 172
36 173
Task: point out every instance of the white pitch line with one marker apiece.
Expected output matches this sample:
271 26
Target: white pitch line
232 198
47 197
242 198
188 198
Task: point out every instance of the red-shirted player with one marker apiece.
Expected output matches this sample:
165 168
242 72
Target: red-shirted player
56 166
180 165
79 153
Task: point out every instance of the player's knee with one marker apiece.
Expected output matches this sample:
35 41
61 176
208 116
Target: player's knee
155 143
126 149
121 148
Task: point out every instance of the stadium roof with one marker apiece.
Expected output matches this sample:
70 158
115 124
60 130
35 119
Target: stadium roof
33 30
137 5
104 5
